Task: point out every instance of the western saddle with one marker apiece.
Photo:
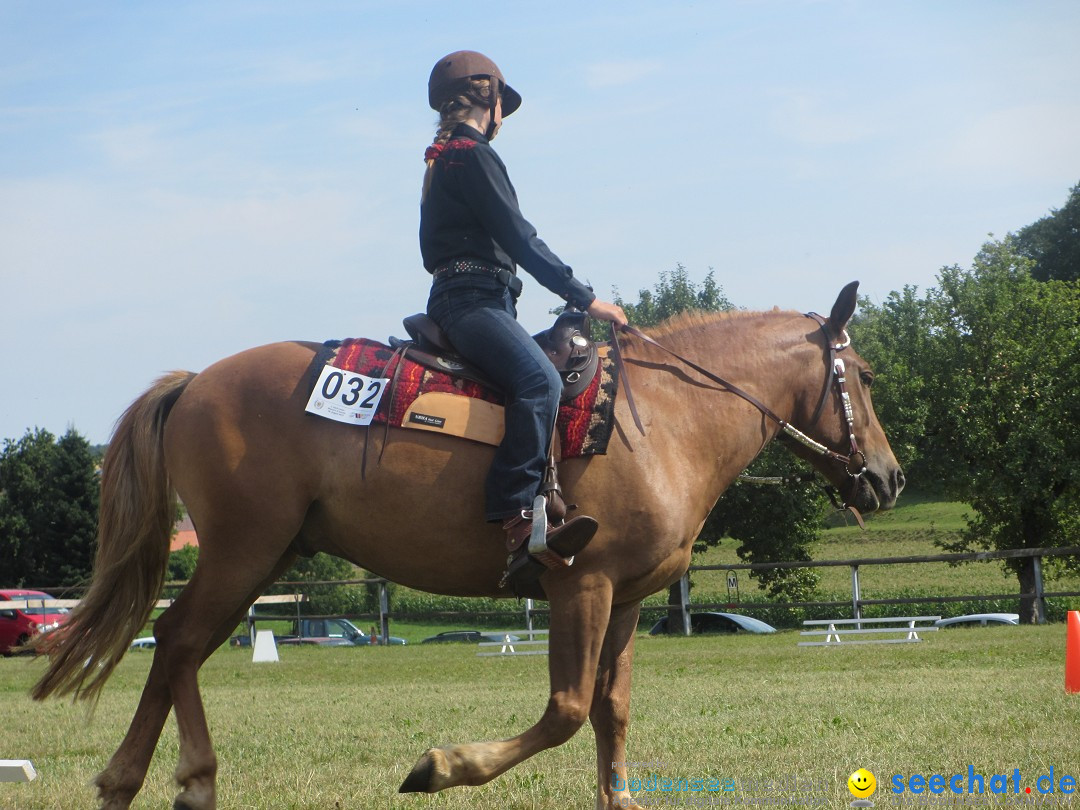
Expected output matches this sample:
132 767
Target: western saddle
566 344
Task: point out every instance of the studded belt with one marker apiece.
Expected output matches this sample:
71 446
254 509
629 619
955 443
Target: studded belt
459 267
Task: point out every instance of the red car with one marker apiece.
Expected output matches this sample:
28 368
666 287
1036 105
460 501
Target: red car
19 623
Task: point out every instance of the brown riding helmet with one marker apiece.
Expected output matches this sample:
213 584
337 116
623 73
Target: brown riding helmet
464 65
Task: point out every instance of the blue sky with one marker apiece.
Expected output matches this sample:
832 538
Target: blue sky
180 181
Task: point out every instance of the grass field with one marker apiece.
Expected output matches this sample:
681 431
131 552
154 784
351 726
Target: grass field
340 727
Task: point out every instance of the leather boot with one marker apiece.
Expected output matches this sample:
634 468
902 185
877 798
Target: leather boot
565 540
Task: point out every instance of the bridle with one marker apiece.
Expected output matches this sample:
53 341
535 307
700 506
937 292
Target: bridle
836 375
854 462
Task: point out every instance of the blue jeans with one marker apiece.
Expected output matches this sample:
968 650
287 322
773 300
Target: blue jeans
479 316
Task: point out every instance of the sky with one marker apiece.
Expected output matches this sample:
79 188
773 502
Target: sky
181 181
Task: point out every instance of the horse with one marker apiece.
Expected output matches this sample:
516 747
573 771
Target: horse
263 481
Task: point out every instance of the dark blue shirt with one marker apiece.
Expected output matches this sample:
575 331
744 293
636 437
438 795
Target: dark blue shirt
471 211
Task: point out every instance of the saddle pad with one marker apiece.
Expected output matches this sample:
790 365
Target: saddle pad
468 409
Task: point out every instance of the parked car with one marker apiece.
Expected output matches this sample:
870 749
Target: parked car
468 637
980 619
19 624
144 643
711 622
324 633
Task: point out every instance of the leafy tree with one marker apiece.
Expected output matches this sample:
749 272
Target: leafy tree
675 293
1053 242
324 600
1006 375
182 564
896 339
49 494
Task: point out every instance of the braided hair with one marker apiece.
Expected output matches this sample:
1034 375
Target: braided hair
456 107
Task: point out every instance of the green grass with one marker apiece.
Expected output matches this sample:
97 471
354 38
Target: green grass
340 728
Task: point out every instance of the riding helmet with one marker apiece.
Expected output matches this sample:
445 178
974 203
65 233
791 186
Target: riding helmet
465 65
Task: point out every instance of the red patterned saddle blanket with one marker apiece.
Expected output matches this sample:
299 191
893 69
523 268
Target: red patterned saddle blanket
424 399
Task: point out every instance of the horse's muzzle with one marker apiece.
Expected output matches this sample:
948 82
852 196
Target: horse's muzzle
878 489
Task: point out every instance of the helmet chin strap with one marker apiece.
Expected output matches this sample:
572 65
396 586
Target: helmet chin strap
495 88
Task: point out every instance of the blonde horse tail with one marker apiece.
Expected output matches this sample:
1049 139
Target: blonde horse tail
138 509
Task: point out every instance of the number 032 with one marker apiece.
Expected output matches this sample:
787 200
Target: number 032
346 396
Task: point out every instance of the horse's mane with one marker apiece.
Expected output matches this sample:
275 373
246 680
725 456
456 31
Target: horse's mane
696 317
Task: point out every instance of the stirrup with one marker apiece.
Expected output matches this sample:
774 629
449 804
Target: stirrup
527 562
538 546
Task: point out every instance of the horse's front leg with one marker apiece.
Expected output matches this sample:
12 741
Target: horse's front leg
610 714
579 615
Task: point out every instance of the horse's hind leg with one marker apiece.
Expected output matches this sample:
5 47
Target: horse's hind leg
578 619
211 600
123 776
610 714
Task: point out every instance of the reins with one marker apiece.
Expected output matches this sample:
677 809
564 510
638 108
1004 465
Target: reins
836 372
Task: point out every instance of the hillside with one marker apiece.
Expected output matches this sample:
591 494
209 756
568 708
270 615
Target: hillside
913 528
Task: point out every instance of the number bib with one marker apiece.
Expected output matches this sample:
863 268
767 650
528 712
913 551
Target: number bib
346 396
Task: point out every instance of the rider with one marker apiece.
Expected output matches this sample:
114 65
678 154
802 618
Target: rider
472 236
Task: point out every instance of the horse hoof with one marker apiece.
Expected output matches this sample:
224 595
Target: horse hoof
419 778
183 802
112 797
429 775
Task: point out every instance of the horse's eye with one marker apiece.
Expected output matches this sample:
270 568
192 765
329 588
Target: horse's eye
867 378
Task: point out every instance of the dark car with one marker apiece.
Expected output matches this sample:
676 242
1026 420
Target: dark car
712 622
469 637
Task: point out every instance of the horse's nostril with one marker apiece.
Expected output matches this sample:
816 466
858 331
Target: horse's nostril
898 481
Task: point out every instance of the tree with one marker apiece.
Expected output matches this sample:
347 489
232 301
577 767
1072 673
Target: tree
674 293
182 564
1053 242
49 494
324 600
896 340
1006 373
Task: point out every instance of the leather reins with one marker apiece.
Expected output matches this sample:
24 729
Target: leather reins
854 463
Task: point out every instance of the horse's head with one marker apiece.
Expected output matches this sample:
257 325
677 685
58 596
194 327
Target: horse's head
838 414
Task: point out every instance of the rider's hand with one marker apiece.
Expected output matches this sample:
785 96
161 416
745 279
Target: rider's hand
603 311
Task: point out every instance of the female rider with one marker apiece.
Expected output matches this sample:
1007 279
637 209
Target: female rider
472 237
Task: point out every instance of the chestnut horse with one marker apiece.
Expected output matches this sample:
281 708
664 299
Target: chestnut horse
262 480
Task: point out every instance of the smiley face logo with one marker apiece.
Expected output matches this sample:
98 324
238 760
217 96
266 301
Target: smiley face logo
862 784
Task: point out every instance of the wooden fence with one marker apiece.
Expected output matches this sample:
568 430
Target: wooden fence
679 609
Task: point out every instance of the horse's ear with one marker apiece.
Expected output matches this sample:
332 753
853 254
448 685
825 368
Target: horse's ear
844 307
